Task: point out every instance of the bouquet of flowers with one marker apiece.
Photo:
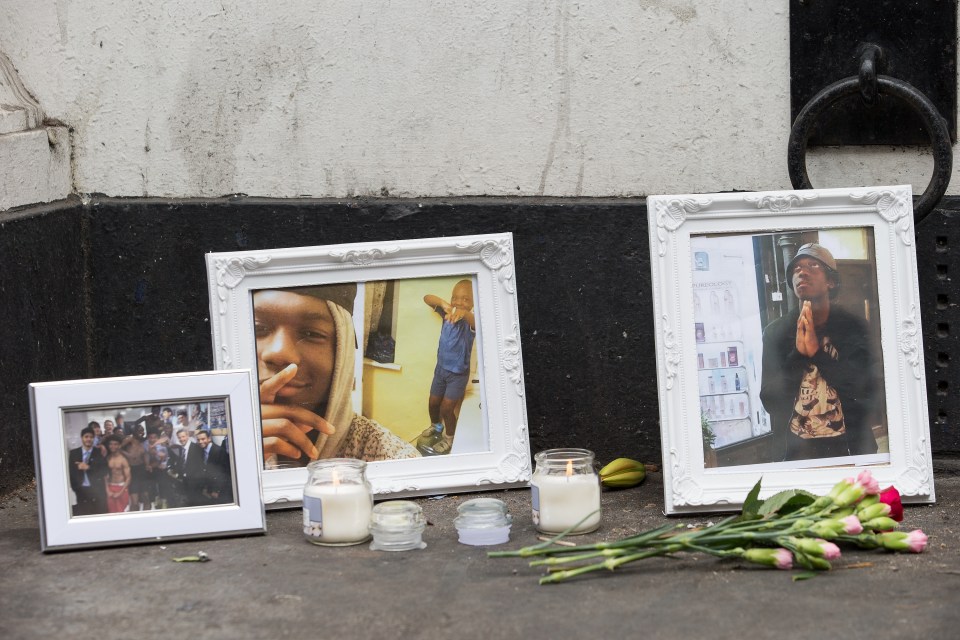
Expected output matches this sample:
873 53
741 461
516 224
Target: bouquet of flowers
790 528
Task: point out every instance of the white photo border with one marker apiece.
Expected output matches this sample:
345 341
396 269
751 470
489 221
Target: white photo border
233 276
49 401
673 219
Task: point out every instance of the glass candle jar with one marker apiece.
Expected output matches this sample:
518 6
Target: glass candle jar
565 492
483 521
397 526
337 502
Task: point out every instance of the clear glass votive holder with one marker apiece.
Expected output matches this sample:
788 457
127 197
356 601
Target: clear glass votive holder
565 492
337 502
483 522
397 526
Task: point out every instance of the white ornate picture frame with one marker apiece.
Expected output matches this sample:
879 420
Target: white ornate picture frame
62 410
712 304
503 458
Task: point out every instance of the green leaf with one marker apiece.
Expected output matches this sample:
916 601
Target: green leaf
786 502
805 575
751 506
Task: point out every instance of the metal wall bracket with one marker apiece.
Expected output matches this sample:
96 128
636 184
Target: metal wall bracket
914 41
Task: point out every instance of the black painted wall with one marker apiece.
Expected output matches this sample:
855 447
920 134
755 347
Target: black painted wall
118 287
43 323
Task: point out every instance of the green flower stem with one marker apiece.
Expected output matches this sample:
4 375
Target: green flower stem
555 560
609 564
864 540
735 552
779 522
735 538
563 533
548 548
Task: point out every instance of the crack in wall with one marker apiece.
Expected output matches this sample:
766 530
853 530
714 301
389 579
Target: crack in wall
561 128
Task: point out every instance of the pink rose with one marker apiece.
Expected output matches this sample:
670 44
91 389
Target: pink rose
890 496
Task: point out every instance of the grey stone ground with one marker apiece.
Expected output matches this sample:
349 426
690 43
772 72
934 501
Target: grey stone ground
278 586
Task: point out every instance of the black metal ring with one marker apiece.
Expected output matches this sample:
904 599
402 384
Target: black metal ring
933 122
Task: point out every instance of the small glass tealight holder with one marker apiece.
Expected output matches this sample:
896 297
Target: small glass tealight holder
337 502
397 526
565 492
483 522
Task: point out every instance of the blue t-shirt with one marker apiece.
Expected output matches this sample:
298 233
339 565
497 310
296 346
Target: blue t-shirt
456 343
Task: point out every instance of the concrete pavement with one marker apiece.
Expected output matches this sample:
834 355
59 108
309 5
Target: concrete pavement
277 585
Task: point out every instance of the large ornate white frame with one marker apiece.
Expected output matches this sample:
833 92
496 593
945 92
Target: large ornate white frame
232 277
59 531
688 487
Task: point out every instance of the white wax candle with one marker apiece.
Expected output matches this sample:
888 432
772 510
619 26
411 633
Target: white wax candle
561 501
337 513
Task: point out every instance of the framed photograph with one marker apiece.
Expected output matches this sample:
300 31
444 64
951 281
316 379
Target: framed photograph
404 354
788 343
145 459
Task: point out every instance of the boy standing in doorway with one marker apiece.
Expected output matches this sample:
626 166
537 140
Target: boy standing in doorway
452 373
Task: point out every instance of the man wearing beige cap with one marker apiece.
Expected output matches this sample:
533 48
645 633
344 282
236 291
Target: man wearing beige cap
819 376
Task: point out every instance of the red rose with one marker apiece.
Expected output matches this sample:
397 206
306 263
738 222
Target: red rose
890 496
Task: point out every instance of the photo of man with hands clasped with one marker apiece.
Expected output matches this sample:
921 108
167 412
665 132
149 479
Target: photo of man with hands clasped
790 367
307 353
818 382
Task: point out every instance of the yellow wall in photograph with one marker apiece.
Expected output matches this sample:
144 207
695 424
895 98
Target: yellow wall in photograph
397 399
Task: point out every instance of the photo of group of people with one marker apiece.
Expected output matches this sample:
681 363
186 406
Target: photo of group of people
789 363
139 458
376 370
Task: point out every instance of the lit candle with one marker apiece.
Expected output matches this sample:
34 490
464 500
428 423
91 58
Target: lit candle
565 491
337 503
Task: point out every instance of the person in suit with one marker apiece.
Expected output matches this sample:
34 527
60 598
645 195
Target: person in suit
87 468
175 454
175 467
216 470
193 472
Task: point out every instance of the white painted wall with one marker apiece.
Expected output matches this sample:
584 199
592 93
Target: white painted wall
34 167
185 98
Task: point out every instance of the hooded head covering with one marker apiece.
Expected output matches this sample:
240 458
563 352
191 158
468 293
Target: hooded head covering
339 411
341 295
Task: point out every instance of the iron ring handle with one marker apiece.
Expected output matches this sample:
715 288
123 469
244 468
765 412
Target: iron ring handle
932 121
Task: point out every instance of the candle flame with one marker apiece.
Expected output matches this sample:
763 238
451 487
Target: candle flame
569 468
336 477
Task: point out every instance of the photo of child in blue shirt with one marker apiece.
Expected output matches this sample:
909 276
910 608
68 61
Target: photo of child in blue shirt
452 373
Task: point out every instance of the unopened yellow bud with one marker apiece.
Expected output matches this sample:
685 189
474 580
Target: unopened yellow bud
623 473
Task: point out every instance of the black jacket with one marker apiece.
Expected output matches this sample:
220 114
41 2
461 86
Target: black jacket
854 375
